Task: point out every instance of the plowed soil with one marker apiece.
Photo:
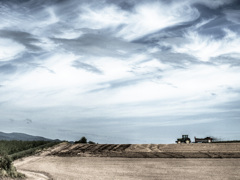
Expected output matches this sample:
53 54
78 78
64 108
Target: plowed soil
221 150
79 161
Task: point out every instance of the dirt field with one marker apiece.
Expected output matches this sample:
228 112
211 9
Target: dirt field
80 162
204 150
62 168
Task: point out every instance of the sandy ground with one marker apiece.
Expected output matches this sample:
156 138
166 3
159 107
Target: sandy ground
46 166
32 175
35 174
62 168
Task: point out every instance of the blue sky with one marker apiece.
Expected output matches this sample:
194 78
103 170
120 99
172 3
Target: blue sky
120 71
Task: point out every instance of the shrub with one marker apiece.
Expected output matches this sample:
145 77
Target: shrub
91 142
5 162
12 150
7 169
32 151
11 147
82 140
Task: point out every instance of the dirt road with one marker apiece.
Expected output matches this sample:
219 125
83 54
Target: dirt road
32 175
35 174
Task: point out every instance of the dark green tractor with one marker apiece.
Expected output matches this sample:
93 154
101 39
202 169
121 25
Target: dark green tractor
184 139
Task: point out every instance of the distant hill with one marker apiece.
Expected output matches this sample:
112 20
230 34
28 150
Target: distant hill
22 137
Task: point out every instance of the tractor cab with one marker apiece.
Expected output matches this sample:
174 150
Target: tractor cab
184 139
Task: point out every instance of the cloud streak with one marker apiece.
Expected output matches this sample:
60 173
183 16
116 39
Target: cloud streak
107 67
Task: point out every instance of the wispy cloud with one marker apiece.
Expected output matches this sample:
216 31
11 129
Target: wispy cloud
123 65
206 47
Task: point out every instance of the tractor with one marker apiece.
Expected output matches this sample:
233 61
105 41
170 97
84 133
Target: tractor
184 139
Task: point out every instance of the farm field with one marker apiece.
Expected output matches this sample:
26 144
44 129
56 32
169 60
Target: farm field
201 150
62 168
66 161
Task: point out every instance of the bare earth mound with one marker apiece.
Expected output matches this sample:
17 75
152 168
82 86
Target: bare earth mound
221 150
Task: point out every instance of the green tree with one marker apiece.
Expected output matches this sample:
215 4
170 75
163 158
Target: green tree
83 140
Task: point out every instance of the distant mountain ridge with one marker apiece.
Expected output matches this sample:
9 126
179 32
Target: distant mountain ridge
22 137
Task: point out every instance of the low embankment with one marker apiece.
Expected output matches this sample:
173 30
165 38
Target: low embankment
12 150
214 150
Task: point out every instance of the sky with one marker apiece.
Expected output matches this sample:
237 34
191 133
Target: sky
120 71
